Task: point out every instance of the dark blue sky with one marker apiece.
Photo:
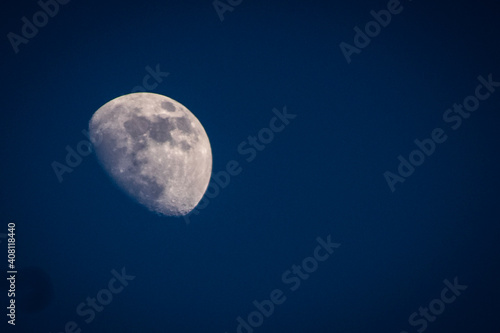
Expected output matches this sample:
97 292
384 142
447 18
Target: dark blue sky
321 176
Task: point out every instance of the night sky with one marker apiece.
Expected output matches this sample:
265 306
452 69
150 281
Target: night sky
373 208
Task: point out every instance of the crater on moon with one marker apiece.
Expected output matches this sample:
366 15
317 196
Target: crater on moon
155 150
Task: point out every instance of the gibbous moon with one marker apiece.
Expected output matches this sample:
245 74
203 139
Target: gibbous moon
155 150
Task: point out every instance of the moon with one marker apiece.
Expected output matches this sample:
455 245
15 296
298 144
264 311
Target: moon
155 150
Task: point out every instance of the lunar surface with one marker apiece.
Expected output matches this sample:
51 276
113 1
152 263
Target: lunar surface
155 149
